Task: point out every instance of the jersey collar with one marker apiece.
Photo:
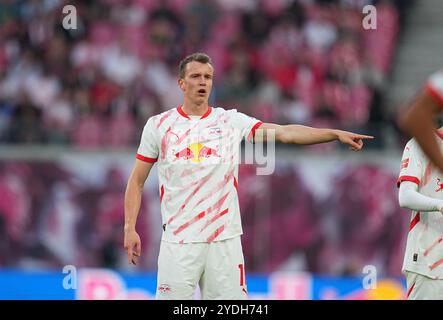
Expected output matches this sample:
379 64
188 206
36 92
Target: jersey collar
182 113
439 133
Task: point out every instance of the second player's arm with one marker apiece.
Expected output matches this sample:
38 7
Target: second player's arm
417 121
133 197
298 134
409 197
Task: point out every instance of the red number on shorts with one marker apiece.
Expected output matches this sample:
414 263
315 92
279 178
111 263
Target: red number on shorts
242 274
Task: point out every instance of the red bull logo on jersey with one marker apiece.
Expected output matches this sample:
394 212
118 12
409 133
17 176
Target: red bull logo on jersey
439 185
196 152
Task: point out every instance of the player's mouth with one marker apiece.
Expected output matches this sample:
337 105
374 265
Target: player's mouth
201 92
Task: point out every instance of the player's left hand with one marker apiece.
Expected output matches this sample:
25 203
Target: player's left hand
354 140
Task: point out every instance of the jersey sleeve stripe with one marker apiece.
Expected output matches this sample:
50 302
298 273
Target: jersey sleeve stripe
407 178
145 159
435 94
252 132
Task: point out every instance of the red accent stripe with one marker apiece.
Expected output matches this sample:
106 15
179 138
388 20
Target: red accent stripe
162 193
244 290
205 115
180 139
164 117
180 110
439 240
217 188
164 143
235 184
407 178
188 223
180 211
414 221
216 233
436 264
202 214
190 185
210 194
215 207
254 128
188 172
210 221
427 174
145 159
434 94
410 290
439 134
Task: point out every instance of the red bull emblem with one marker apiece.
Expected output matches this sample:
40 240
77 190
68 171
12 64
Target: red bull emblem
440 185
196 152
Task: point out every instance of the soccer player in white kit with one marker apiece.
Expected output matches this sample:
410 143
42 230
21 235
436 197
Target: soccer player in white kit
421 190
195 147
417 121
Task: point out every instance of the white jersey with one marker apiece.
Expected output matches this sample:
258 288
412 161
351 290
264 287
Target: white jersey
424 248
434 87
197 161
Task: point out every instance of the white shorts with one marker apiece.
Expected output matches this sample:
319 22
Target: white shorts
217 267
420 287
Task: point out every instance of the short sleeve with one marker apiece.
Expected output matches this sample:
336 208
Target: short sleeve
148 148
412 163
246 124
434 87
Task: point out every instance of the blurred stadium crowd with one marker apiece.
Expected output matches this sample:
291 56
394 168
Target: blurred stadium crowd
307 62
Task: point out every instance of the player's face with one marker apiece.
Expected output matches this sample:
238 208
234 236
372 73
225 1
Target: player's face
197 83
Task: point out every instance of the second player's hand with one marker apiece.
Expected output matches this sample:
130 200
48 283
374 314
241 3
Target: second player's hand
133 245
354 140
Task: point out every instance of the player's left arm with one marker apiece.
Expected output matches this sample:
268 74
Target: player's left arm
298 134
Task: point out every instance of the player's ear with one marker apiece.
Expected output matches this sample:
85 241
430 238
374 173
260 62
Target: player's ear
181 84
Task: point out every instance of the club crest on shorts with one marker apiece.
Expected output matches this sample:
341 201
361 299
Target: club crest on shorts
164 288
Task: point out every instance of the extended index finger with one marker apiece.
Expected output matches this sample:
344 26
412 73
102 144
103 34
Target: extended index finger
362 136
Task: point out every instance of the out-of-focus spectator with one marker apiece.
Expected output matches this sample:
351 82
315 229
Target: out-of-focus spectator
130 49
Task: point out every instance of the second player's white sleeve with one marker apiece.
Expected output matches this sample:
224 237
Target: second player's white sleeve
412 164
148 149
245 124
409 197
434 87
